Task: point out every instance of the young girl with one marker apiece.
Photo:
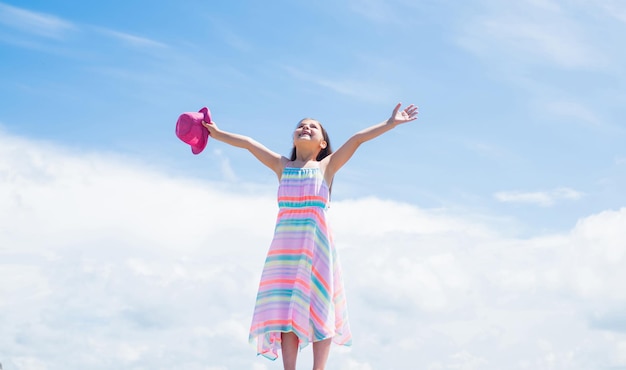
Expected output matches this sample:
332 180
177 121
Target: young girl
301 297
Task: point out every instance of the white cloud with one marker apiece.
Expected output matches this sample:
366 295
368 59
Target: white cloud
107 263
40 24
53 27
358 89
131 40
228 34
535 32
541 198
374 10
228 173
620 353
612 8
573 112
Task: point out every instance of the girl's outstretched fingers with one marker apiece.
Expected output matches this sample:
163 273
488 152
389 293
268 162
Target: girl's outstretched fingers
406 115
411 111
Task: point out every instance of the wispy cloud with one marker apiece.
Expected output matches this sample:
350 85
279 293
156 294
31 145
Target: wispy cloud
229 35
487 149
575 112
51 26
613 8
397 13
228 173
354 88
535 32
541 198
374 10
30 22
131 40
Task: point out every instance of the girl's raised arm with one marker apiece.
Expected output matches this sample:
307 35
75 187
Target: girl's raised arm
272 160
337 159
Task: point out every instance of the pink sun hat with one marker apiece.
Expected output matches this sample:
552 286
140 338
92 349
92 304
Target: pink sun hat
189 129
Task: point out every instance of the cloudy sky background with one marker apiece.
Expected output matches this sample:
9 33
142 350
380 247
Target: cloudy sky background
488 234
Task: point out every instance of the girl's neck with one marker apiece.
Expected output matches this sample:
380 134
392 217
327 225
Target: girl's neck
305 156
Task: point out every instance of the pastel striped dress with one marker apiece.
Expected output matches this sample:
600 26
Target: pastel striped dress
301 288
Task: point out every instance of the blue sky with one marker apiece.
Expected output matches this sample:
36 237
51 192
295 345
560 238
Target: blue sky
511 180
521 105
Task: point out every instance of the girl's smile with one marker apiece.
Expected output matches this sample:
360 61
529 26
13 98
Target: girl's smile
307 129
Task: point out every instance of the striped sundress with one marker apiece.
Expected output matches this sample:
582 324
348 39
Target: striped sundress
301 288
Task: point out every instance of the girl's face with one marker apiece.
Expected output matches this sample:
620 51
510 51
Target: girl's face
309 130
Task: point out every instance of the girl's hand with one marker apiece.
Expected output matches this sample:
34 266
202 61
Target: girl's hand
212 127
403 116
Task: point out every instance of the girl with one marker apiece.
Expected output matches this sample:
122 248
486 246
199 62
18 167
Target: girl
301 297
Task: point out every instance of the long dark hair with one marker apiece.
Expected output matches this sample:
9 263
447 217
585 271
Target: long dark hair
324 152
